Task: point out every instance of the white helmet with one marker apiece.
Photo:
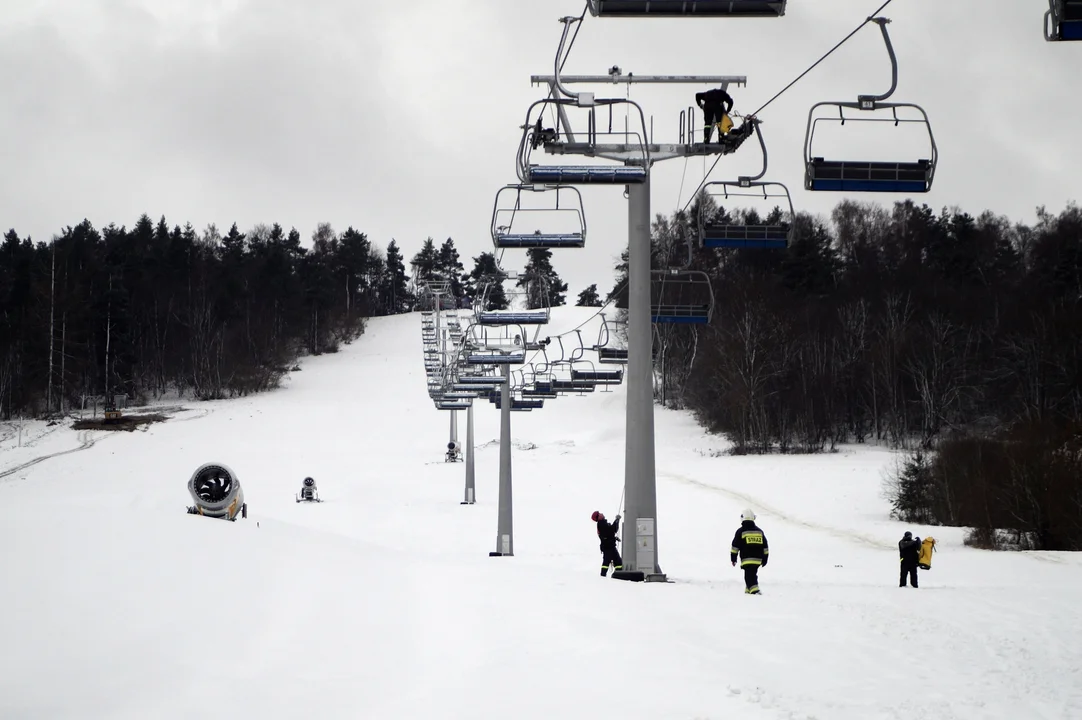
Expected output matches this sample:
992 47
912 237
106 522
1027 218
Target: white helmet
748 514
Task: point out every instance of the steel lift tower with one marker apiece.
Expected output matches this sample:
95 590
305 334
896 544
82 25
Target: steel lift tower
638 153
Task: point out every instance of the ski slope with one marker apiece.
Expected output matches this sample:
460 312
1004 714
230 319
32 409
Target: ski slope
382 602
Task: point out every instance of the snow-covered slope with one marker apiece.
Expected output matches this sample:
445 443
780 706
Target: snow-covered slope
382 602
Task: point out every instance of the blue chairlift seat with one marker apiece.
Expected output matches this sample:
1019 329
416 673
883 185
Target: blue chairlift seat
849 176
519 403
539 240
746 236
690 8
569 386
612 356
453 404
680 314
515 357
460 395
535 392
513 317
480 380
1063 21
586 174
601 377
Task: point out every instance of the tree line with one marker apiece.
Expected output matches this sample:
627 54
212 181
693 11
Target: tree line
153 309
941 331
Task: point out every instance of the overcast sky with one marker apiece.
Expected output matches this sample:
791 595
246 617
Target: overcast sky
402 118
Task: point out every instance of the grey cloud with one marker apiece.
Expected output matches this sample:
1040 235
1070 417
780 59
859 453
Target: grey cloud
402 119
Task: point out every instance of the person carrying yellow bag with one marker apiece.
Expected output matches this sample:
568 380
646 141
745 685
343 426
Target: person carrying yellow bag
909 554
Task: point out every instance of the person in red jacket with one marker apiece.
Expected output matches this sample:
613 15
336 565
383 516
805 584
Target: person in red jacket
750 544
607 533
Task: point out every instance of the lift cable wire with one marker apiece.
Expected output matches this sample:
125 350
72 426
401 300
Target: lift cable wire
794 82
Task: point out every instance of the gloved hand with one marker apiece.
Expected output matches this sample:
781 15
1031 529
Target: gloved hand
617 516
734 563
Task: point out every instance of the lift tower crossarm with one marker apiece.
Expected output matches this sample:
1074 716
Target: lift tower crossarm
724 80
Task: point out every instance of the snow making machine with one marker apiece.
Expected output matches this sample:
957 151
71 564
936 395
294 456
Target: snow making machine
216 491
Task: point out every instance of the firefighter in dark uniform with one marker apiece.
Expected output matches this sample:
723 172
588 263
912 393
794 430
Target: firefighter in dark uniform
750 544
909 554
715 104
607 533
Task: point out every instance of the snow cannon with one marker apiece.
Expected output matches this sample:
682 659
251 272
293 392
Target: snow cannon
453 449
308 492
216 492
927 547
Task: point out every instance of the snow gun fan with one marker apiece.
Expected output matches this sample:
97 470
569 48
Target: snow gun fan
216 492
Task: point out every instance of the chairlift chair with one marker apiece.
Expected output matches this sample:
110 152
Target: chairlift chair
536 289
1063 20
687 8
453 404
759 235
913 176
568 385
585 371
539 388
633 152
506 221
681 296
678 295
607 352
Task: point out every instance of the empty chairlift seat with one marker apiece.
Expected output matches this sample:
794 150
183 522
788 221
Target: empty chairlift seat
870 174
772 232
599 377
851 176
626 150
1063 21
612 355
570 385
513 317
679 8
586 174
496 357
453 404
609 348
558 209
681 296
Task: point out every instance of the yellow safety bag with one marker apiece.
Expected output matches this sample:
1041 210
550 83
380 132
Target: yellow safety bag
926 549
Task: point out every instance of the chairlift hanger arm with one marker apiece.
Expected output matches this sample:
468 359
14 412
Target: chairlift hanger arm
868 101
561 57
747 180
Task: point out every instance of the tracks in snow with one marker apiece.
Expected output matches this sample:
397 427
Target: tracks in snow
866 540
87 440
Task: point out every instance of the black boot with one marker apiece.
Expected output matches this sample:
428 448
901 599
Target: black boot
604 572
